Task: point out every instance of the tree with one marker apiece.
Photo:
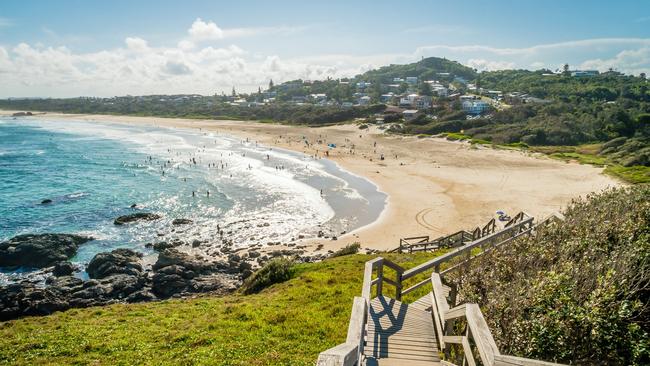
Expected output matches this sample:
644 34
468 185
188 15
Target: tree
234 93
425 89
642 75
271 85
565 69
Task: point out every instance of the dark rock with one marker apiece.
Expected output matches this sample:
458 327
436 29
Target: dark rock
134 205
162 245
65 283
182 221
246 273
63 269
46 201
143 295
253 254
171 257
39 250
138 216
196 243
244 266
119 261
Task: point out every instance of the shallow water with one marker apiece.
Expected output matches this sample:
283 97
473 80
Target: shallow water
93 172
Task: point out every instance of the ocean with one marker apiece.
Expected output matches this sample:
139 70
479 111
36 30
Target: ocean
94 172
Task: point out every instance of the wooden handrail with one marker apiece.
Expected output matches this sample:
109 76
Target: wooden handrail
464 249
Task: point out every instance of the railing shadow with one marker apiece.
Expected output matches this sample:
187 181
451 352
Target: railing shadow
392 310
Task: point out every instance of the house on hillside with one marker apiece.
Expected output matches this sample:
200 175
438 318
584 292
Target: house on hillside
410 114
584 73
412 80
365 100
475 107
386 98
318 98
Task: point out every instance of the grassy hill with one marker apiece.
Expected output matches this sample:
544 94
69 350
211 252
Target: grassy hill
425 69
288 324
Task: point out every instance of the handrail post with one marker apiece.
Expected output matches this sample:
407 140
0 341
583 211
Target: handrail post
380 279
398 288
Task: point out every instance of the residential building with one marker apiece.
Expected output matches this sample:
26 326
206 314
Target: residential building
584 73
412 80
409 114
386 98
475 106
365 100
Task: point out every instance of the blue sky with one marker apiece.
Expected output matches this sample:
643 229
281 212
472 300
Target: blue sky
104 48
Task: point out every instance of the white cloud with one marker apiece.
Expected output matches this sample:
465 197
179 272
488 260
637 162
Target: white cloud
136 44
576 53
191 66
486 65
204 31
633 61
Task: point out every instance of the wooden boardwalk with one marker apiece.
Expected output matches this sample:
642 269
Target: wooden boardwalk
388 332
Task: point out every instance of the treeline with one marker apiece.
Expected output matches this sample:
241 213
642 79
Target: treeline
197 107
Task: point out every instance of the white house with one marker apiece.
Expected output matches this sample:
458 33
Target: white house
475 106
363 84
409 114
385 98
317 98
364 100
412 80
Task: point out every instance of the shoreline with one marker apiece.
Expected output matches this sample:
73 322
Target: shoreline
433 186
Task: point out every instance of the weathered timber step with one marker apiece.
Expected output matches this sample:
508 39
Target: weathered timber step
424 303
399 362
399 332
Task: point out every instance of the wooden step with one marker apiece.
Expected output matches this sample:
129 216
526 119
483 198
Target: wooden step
398 362
399 331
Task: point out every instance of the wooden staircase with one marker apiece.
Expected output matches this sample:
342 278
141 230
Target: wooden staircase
389 332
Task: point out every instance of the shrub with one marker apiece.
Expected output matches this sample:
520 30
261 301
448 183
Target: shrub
277 270
575 292
347 250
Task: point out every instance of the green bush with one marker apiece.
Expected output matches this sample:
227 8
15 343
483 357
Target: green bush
577 291
277 270
347 250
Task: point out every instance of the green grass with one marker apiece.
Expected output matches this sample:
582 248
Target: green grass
581 158
288 323
633 174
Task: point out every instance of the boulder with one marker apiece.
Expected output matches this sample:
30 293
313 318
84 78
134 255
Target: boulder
39 250
46 201
169 257
182 221
119 261
63 269
138 216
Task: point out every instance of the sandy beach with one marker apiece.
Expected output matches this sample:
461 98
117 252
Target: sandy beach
434 186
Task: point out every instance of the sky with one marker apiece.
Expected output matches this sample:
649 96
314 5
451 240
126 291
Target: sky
139 47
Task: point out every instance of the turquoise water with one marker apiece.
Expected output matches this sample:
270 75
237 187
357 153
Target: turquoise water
94 172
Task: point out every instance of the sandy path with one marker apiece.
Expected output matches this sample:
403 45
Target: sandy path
434 186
